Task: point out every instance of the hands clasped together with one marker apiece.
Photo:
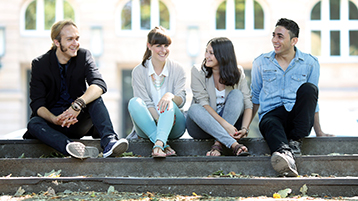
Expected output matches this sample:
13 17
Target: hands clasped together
67 118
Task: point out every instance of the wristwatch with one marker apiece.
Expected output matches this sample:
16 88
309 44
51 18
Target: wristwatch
247 130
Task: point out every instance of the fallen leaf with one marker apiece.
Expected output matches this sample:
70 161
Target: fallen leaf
111 190
314 175
284 193
53 174
22 155
232 173
195 194
51 191
276 195
127 154
19 192
219 173
67 192
304 190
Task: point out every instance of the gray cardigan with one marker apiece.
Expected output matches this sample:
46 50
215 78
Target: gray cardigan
175 82
204 88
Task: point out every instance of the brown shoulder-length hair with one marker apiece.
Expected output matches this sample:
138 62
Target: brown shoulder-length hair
156 36
225 55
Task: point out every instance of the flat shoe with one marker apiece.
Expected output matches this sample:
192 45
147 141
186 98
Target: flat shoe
246 153
237 148
215 147
169 151
158 155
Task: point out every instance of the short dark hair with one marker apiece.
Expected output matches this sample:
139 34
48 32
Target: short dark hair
290 25
225 55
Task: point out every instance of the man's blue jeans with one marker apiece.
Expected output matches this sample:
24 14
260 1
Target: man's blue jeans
145 126
93 120
201 125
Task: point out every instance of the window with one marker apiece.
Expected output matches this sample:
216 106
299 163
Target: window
136 15
334 28
39 15
127 94
239 15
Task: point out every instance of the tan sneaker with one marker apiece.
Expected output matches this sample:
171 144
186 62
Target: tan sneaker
284 164
81 151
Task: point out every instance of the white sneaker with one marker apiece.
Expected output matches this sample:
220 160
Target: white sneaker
81 151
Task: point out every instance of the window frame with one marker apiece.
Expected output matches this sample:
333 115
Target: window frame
136 30
40 17
325 25
249 19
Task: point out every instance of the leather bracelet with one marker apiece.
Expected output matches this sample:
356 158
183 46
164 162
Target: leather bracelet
75 107
80 102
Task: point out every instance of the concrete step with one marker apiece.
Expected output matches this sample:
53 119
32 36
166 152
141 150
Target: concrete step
187 147
324 173
211 186
339 166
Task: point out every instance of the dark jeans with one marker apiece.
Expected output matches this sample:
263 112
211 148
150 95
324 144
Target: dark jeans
93 121
279 126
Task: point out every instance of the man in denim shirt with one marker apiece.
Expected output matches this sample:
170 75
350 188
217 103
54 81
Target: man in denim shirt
285 93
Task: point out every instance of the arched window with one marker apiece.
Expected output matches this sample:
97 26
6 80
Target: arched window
334 30
240 15
138 15
39 15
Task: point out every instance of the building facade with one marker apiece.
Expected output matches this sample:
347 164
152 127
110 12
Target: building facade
115 32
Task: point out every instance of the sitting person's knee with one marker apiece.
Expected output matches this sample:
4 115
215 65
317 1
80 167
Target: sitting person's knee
193 109
134 103
308 88
236 94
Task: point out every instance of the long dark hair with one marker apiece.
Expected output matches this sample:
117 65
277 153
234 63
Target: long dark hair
156 36
225 55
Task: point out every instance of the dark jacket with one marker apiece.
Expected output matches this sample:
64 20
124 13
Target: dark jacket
46 80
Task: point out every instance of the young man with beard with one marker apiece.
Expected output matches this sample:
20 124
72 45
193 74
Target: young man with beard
285 92
63 107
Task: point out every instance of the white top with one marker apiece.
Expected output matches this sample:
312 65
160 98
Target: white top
159 80
220 100
175 83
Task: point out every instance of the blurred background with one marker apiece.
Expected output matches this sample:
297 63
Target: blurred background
115 32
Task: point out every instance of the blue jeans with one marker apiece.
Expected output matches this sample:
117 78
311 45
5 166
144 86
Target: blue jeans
145 126
94 120
201 125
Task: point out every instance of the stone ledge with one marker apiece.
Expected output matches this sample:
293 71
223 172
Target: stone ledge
188 147
346 165
233 187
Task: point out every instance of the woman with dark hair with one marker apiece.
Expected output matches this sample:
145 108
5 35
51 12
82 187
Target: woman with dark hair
221 106
159 91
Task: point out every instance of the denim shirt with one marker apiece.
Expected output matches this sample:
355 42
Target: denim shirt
272 87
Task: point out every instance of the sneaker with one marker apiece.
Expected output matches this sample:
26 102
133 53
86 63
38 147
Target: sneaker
79 150
115 148
295 146
284 164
